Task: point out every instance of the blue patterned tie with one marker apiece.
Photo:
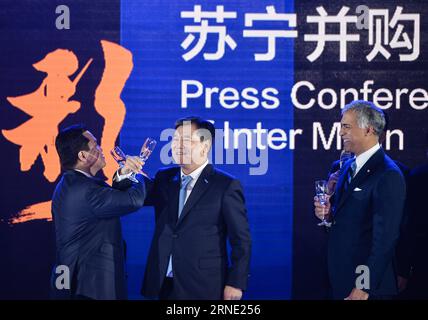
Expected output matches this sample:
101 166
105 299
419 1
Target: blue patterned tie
185 180
350 174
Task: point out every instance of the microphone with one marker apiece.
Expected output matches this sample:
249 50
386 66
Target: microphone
345 156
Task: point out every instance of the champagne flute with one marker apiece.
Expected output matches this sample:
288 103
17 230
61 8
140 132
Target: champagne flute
120 157
145 152
147 148
321 191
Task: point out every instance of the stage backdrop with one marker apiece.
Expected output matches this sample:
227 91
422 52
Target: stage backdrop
272 76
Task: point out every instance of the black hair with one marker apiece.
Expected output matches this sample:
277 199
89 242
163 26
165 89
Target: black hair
69 143
200 124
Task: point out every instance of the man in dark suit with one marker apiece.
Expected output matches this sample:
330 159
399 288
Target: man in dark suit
197 209
367 210
86 213
401 250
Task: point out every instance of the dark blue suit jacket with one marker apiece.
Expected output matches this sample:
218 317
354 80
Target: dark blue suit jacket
366 226
214 211
402 252
86 213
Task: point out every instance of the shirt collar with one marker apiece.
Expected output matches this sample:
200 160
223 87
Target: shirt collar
365 156
196 173
83 172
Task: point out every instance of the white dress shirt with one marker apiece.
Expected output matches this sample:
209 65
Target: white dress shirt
118 177
364 157
195 176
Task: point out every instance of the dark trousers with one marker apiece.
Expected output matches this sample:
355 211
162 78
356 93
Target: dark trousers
166 292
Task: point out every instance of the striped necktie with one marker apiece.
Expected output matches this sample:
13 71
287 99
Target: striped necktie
185 180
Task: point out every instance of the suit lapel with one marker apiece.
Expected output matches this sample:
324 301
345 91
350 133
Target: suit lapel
365 172
173 193
201 186
98 181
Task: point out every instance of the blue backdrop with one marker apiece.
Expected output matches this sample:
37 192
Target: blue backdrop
288 259
153 32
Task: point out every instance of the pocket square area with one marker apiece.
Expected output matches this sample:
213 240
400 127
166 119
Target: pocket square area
357 189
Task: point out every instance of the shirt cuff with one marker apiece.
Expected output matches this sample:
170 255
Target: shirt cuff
119 177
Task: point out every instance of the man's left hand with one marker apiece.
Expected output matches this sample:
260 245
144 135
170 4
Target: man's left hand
357 294
231 293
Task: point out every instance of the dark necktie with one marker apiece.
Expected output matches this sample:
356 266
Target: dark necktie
350 174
